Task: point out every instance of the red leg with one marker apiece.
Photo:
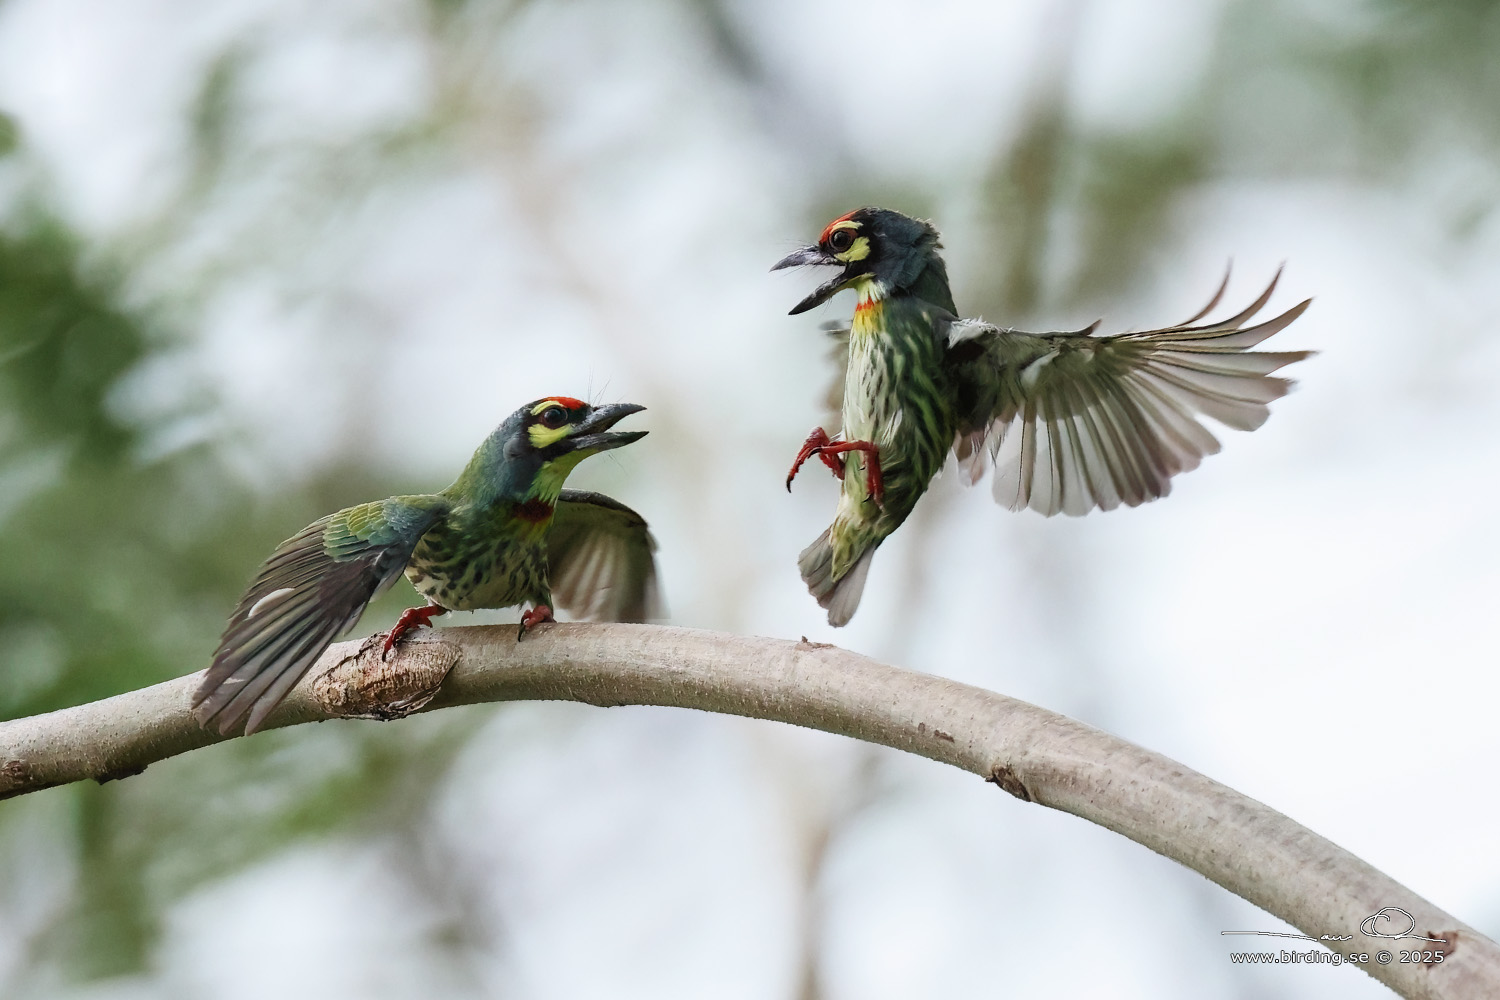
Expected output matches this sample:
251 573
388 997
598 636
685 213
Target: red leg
814 445
873 475
536 616
411 618
871 452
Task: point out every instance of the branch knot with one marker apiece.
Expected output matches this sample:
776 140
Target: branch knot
367 685
1009 782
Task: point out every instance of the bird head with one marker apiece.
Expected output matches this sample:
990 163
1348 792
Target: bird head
561 428
874 248
532 452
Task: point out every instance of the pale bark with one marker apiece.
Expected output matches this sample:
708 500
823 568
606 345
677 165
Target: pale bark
1033 754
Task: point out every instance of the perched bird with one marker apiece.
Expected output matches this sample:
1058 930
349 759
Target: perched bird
1071 421
505 533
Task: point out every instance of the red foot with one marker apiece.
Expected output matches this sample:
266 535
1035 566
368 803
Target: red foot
814 445
411 618
818 443
536 616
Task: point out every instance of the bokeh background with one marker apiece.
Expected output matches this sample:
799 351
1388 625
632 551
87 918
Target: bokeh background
260 260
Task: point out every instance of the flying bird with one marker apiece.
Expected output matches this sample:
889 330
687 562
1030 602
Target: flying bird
505 533
1070 421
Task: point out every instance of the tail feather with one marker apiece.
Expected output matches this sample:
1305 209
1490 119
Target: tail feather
841 596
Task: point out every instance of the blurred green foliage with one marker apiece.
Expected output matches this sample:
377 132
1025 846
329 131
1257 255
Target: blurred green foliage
10 135
86 528
115 573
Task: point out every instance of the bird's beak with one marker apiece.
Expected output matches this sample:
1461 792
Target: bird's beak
590 434
814 255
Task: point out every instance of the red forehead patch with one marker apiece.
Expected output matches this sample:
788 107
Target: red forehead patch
829 229
569 402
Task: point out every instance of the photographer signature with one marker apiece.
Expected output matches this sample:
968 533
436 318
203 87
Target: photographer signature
1381 924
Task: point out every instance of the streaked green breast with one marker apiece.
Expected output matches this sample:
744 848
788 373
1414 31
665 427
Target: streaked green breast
491 559
896 395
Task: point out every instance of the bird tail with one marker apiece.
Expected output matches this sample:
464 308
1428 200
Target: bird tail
840 596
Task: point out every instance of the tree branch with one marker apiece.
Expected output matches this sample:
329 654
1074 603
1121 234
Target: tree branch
1035 755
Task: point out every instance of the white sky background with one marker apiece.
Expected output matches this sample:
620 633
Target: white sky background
592 210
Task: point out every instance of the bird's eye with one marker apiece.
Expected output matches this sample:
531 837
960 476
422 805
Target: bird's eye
554 417
840 240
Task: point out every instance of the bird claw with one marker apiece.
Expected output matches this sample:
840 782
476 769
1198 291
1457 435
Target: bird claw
820 444
410 619
814 445
536 616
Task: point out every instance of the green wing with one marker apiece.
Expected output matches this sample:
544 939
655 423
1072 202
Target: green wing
313 589
601 560
1072 421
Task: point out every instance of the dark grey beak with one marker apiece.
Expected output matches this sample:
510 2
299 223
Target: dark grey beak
590 434
813 255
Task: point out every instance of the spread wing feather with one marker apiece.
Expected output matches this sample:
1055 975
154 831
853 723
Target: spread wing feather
311 590
1074 421
601 560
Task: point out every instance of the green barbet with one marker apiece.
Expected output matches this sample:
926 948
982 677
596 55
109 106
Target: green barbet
1071 421
505 533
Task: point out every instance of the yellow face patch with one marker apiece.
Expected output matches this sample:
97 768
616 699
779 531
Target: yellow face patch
859 249
541 435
